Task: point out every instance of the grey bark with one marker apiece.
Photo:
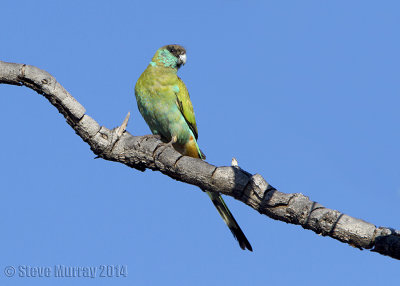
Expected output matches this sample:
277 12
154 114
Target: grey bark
146 152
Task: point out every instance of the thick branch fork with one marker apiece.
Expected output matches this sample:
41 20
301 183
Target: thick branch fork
143 152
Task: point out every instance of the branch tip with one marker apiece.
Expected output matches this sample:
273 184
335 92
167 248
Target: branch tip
122 128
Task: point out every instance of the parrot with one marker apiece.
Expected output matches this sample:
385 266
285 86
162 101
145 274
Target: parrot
163 101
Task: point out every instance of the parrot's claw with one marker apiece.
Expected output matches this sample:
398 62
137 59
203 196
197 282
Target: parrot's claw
169 144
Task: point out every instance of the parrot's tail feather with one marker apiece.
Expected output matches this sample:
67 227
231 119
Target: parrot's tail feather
230 220
202 155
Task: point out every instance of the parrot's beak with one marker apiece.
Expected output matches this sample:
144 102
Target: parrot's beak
182 59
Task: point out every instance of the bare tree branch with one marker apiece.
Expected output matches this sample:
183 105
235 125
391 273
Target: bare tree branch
143 152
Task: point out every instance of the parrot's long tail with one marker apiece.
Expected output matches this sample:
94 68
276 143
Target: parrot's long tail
230 220
192 149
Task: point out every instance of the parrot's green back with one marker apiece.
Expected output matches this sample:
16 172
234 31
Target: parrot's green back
164 102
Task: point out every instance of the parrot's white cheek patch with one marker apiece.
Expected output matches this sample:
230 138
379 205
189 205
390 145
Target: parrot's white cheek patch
183 58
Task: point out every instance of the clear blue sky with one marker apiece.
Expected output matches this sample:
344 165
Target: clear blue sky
305 93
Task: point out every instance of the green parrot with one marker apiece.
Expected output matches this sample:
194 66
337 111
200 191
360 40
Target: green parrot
164 102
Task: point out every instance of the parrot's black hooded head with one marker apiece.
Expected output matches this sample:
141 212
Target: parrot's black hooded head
170 56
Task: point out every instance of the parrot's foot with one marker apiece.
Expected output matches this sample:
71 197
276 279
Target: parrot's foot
166 145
